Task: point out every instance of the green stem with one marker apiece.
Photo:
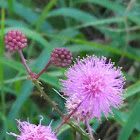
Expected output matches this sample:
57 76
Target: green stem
54 105
46 97
1 69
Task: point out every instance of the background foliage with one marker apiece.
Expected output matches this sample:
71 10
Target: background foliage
108 28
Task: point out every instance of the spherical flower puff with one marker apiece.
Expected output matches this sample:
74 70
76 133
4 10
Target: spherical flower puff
15 40
61 57
34 132
94 83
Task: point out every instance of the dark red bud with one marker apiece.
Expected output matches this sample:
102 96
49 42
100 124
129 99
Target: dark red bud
61 57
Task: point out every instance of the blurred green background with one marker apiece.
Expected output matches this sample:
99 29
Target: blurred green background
108 28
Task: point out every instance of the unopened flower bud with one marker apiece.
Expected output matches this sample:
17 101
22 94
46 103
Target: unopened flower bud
61 57
15 40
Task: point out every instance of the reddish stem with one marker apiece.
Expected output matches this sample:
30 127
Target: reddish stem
89 127
33 75
66 118
24 62
37 75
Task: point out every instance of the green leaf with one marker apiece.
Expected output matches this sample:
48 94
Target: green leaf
68 33
132 90
16 79
63 129
19 67
44 58
130 77
73 13
119 116
79 48
27 14
134 51
86 18
96 45
24 94
10 7
100 22
45 11
9 90
12 22
114 6
54 81
131 122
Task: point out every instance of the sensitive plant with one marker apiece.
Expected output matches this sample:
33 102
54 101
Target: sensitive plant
30 131
16 41
96 84
92 86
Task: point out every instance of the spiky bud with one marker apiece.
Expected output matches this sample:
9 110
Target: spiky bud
15 40
61 57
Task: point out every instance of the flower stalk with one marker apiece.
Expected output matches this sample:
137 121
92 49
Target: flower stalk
33 75
38 75
24 61
66 118
54 105
89 128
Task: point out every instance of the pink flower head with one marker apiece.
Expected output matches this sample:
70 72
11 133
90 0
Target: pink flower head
33 132
15 40
94 83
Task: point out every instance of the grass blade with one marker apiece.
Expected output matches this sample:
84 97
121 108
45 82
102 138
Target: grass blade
19 67
105 3
73 13
131 122
96 45
24 94
132 90
44 13
28 15
1 69
11 8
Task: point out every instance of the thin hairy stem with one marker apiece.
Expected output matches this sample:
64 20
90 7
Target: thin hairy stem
89 128
38 75
47 98
24 61
54 105
66 118
33 75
